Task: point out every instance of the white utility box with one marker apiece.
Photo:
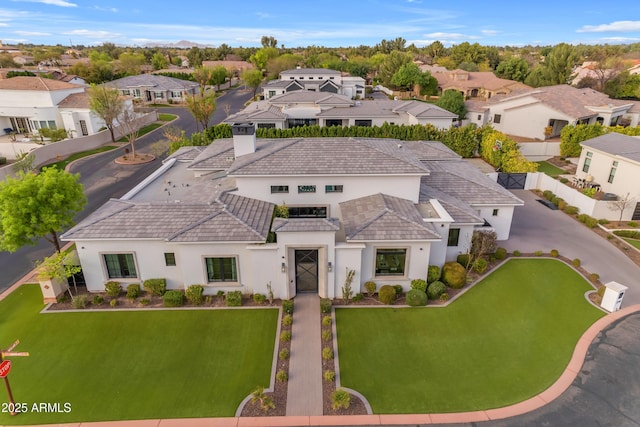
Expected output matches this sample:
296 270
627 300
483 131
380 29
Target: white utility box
613 294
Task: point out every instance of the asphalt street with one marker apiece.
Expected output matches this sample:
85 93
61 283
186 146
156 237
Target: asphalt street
104 179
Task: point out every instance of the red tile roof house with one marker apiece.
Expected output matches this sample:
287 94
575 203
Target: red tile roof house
384 208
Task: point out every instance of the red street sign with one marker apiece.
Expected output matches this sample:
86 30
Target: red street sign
5 367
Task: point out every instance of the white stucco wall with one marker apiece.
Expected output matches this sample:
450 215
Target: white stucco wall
348 256
626 177
418 254
501 222
524 117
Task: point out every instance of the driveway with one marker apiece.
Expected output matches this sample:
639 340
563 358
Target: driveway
536 227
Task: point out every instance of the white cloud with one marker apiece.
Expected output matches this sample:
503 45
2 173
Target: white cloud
93 34
614 26
490 32
32 33
61 3
3 24
623 40
450 37
263 15
106 9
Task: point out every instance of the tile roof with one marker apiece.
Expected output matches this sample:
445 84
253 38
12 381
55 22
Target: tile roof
308 96
475 79
305 71
466 183
384 217
257 111
328 156
152 81
231 218
461 212
305 224
35 83
75 100
616 144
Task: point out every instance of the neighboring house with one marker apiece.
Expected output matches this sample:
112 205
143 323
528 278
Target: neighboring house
317 80
5 48
385 208
475 84
612 160
304 107
69 78
28 104
233 67
542 112
23 59
155 88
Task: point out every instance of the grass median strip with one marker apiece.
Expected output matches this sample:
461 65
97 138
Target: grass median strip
505 340
134 364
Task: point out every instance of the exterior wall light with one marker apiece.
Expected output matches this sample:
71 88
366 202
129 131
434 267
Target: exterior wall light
283 268
330 267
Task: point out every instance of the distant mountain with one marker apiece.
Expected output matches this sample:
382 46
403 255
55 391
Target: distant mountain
182 44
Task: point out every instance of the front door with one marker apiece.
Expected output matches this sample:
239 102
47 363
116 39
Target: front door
306 270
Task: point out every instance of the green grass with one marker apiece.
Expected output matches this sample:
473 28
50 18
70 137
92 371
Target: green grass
550 169
633 242
134 365
166 117
63 163
143 131
507 339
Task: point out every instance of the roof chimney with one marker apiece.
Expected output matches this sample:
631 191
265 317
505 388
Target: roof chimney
244 139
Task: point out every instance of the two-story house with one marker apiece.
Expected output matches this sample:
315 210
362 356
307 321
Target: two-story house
317 80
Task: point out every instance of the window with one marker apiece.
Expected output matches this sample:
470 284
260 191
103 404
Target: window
366 123
495 212
126 92
612 173
120 266
272 93
320 78
454 237
266 125
136 93
479 117
587 161
497 118
310 78
176 94
333 188
159 95
292 123
222 269
83 128
169 259
390 262
52 124
306 188
334 122
279 189
308 212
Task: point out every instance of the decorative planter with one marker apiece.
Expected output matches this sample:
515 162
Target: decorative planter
52 289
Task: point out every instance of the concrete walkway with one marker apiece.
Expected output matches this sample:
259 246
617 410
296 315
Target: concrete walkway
304 395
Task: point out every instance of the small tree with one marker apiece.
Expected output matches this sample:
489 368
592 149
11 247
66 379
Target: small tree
107 104
453 101
482 243
347 291
131 123
59 266
258 396
218 76
202 107
252 79
621 205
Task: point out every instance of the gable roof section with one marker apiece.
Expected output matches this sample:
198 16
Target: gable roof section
423 110
328 156
616 144
75 100
230 218
304 71
384 217
257 111
309 96
461 212
35 84
305 224
467 184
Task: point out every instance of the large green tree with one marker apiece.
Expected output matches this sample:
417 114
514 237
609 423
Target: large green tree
391 64
453 101
252 79
513 68
34 206
107 103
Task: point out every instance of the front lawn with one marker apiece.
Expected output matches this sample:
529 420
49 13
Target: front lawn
504 341
549 169
63 163
633 242
120 365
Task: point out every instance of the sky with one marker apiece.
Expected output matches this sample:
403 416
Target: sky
327 23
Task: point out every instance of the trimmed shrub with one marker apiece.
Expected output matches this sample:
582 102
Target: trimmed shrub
97 300
208 300
329 376
113 302
480 265
370 287
155 286
325 305
419 284
133 291
444 297
632 224
436 289
564 180
562 204
326 335
3 160
433 273
282 376
193 293
517 253
79 301
501 253
399 290
234 299
554 253
327 353
603 221
113 289
173 298
285 336
287 306
145 301
284 354
259 298
538 253
601 291
340 399
547 194
576 262
591 222
454 275
387 294
594 277
571 210
416 298
358 297
463 260
287 320
327 320
628 233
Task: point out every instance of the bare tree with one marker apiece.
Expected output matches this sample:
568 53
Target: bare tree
621 205
107 103
131 122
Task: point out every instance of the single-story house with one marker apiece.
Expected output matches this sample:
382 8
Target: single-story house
541 113
155 88
384 208
317 80
612 160
304 107
475 84
28 104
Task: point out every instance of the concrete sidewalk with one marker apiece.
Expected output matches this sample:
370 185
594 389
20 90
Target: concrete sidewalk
304 395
